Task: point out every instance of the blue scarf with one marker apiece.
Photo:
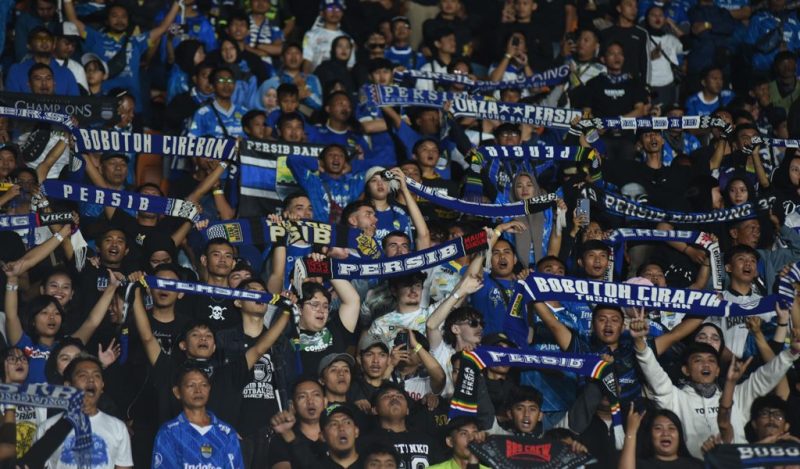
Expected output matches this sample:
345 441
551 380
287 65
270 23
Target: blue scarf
624 207
193 288
465 402
60 397
101 140
392 267
263 231
463 105
618 238
516 209
543 287
25 225
553 76
655 123
530 152
120 199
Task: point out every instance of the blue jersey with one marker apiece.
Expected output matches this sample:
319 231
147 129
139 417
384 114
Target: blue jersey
394 219
179 445
382 143
206 122
407 57
328 195
63 79
697 106
766 31
194 27
106 45
689 143
314 101
493 301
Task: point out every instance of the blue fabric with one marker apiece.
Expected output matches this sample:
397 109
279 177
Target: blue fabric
177 83
320 187
65 83
37 358
314 101
493 301
383 146
178 445
106 46
205 122
275 115
394 219
695 106
406 57
761 24
197 27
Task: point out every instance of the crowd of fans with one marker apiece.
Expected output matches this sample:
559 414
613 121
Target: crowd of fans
360 373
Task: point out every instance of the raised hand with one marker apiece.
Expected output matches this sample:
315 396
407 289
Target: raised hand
634 420
639 326
283 422
109 355
737 369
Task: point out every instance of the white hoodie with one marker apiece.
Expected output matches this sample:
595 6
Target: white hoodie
698 414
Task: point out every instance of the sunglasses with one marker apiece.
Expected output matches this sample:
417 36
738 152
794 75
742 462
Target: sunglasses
473 322
376 46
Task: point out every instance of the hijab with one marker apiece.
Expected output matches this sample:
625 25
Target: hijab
534 221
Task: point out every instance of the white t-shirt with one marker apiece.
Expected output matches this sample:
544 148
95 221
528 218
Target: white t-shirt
111 445
317 45
734 329
660 72
55 137
387 326
27 420
442 354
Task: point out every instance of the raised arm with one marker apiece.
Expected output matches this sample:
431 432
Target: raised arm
735 372
627 459
13 324
52 156
278 272
98 312
351 303
422 234
268 338
435 371
40 252
664 342
151 346
163 27
468 285
208 183
69 12
561 332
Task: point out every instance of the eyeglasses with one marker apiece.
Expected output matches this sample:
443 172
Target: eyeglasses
316 305
375 46
224 80
473 322
16 359
773 414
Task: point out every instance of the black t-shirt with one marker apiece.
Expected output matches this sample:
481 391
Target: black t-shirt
609 96
417 450
258 401
137 233
334 338
279 449
92 282
220 313
634 45
551 17
680 463
228 377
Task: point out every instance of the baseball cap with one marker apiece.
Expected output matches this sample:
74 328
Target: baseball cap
498 338
68 29
337 408
330 358
108 156
91 57
331 4
369 340
373 171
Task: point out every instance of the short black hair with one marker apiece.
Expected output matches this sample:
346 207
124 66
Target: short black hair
394 233
167 268
289 117
310 289
522 394
215 242
541 261
287 89
82 357
250 115
307 379
36 67
182 372
740 249
219 69
294 195
354 207
699 347
459 314
770 401
381 448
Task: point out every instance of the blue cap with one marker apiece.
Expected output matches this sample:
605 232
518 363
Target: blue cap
332 3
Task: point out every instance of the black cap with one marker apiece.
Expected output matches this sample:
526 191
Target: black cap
595 245
108 156
460 421
498 338
379 64
337 408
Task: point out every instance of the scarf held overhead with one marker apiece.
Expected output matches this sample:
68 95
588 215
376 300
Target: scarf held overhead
516 209
261 230
553 76
59 397
120 199
25 224
624 207
87 110
619 237
465 402
395 266
463 105
543 287
194 288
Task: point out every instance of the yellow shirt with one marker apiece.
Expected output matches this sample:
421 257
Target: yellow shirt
452 464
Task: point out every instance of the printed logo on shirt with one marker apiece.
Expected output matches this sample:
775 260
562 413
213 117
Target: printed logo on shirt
316 342
217 312
206 450
614 94
261 387
99 452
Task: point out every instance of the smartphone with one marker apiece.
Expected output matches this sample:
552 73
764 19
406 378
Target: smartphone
401 339
583 210
515 41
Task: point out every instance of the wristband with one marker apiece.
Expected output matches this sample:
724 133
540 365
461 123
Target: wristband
786 324
12 408
497 232
509 56
417 348
218 192
59 237
224 165
455 295
10 287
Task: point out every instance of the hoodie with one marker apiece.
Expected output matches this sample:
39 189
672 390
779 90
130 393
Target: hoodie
699 414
